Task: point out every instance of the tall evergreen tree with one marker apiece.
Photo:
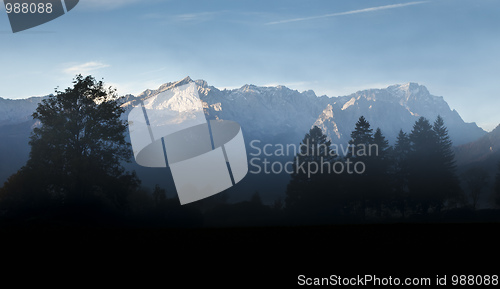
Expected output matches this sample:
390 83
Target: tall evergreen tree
423 175
497 186
308 185
360 144
444 146
475 179
423 139
380 163
382 144
401 171
444 163
361 138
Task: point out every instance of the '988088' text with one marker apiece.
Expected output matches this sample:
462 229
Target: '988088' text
31 8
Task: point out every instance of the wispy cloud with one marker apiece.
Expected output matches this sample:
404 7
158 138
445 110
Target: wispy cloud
198 17
366 10
84 68
195 17
108 4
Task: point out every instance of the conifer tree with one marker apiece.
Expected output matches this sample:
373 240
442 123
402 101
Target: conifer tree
309 188
423 173
447 182
361 185
400 171
497 186
380 165
361 138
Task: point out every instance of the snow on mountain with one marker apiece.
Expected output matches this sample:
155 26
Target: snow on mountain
281 115
14 111
275 114
394 108
270 114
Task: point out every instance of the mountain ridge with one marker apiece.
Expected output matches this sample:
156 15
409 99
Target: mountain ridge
336 116
271 115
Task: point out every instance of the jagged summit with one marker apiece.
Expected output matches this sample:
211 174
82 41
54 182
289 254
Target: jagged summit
404 90
273 108
148 92
413 91
414 97
393 108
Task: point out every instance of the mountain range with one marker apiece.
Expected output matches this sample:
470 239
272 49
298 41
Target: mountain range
275 115
280 114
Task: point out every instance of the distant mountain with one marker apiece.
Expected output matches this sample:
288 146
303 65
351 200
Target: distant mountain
483 153
394 108
274 115
279 114
14 148
485 149
14 111
270 114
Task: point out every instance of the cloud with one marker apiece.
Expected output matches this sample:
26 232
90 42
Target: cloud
195 17
198 17
84 68
366 10
107 4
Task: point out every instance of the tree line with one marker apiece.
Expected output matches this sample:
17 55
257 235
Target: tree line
416 176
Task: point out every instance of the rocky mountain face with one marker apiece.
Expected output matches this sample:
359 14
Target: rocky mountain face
281 115
394 108
272 114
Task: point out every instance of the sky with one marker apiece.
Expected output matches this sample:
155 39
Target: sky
334 47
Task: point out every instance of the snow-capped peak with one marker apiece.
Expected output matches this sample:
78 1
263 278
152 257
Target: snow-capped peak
408 89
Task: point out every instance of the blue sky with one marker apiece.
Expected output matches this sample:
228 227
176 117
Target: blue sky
334 47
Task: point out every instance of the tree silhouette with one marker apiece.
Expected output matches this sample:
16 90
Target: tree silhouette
497 186
256 198
401 171
313 148
475 180
380 162
432 180
444 164
78 149
445 151
159 195
309 191
361 139
423 175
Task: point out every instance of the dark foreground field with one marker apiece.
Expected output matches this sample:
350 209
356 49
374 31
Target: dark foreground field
251 255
